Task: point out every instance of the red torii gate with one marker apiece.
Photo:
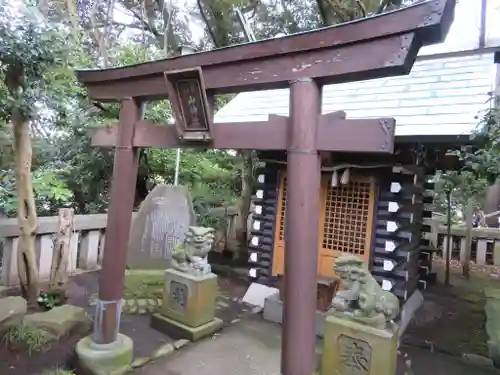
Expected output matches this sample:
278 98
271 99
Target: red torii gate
370 48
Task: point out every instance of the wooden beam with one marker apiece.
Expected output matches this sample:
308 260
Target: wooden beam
334 134
383 57
430 20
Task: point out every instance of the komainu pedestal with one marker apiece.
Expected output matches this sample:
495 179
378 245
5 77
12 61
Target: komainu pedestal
190 290
360 335
188 309
351 348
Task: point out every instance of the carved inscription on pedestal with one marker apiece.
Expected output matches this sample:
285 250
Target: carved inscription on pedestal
178 295
355 356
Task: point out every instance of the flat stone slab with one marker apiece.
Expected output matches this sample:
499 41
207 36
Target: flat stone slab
178 330
12 310
60 320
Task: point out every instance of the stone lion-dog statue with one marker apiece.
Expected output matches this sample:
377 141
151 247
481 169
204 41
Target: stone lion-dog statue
362 299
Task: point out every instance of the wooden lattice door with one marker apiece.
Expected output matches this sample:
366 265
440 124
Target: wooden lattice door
345 222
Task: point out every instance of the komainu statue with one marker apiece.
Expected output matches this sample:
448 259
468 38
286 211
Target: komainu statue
191 255
362 298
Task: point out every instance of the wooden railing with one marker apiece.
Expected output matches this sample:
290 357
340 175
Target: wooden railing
485 248
86 246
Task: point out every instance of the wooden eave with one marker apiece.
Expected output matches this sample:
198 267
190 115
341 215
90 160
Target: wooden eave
329 55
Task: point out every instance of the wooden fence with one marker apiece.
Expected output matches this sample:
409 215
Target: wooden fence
485 248
87 243
86 248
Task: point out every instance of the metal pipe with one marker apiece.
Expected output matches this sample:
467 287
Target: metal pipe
298 355
177 166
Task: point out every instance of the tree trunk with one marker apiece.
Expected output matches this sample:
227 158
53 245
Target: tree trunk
26 211
60 256
246 199
449 241
465 258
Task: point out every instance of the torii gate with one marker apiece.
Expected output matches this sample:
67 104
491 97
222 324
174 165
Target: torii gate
375 47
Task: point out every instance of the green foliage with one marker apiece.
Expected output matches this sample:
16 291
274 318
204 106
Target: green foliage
49 300
29 48
484 161
461 185
481 166
29 338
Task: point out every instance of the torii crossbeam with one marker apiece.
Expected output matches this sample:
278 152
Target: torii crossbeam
374 47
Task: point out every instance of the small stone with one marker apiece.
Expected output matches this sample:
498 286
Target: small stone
151 308
152 302
235 320
180 343
142 302
477 360
139 362
142 311
163 351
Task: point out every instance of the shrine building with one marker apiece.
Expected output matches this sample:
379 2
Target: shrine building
373 206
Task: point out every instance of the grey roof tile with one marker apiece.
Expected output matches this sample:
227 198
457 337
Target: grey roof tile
441 96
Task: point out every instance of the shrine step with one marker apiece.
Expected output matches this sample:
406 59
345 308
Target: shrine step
273 310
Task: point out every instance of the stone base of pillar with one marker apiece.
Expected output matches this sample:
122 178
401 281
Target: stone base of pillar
105 359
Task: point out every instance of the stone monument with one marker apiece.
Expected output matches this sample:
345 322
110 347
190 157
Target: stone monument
159 226
190 292
360 337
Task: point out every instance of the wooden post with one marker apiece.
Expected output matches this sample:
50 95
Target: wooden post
61 250
304 175
107 319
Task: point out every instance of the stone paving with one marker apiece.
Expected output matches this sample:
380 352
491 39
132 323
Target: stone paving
252 347
227 307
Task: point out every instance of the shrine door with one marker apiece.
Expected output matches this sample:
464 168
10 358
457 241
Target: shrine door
345 222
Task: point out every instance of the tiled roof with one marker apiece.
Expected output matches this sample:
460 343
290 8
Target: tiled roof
440 96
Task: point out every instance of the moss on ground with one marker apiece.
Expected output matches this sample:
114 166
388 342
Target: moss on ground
463 326
144 284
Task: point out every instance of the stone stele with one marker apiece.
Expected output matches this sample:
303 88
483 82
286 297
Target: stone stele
188 310
351 348
161 223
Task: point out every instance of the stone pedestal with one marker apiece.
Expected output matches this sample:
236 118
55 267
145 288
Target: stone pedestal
104 359
354 349
188 309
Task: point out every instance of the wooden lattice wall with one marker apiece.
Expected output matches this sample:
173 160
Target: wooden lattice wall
345 222
400 262
410 259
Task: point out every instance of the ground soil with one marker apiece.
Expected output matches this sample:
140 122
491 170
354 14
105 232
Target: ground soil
452 318
146 340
